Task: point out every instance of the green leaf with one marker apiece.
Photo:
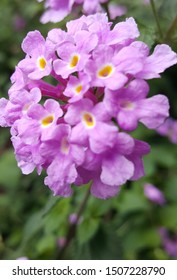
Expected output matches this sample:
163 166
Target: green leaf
57 218
141 238
171 188
167 216
132 202
37 221
163 155
10 174
147 34
46 244
87 229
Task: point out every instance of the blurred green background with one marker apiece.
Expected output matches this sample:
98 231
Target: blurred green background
33 223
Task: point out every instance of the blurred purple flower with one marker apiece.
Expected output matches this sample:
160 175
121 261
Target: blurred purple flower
61 242
154 194
73 219
22 258
116 10
19 23
169 243
169 129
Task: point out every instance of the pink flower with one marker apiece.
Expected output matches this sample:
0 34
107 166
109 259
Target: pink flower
169 242
130 106
169 129
38 61
75 96
91 124
57 10
154 194
74 55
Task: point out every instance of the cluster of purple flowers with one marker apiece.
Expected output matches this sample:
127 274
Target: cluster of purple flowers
57 10
96 95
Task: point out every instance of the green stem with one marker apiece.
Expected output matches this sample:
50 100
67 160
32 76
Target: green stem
171 30
156 19
106 7
72 227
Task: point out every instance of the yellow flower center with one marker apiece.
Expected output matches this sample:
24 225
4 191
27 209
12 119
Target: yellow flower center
47 121
41 63
78 89
74 61
105 71
88 120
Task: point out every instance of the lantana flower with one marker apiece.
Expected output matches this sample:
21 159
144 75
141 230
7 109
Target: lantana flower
77 128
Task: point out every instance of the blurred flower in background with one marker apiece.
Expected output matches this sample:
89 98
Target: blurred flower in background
154 194
169 129
22 258
19 23
169 242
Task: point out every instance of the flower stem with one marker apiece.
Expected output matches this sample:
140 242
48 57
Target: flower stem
171 30
156 19
106 7
72 227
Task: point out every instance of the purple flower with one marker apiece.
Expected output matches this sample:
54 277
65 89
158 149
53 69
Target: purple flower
111 169
61 242
27 156
104 70
140 149
129 106
74 127
19 80
63 158
91 124
96 24
146 2
19 23
169 243
18 105
154 194
116 10
73 219
22 258
156 63
92 6
38 61
74 55
169 129
123 33
39 122
57 10
77 87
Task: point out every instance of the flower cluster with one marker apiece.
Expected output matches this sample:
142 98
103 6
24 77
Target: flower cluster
74 98
57 10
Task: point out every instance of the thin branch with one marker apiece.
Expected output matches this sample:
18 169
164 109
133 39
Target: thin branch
171 30
72 227
156 19
106 8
